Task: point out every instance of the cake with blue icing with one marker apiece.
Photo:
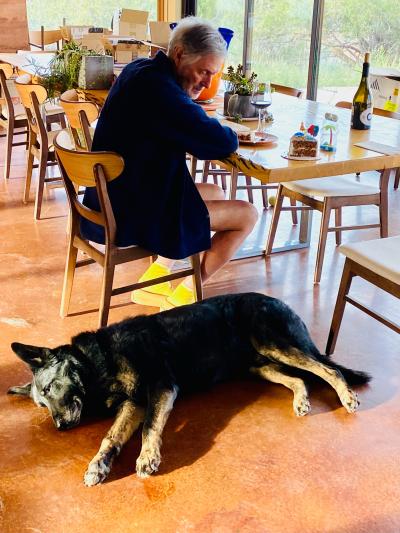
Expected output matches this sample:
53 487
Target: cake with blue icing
304 143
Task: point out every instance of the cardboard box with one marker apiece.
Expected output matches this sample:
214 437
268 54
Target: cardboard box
159 36
97 42
125 52
131 23
385 88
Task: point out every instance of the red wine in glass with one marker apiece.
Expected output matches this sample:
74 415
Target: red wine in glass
261 100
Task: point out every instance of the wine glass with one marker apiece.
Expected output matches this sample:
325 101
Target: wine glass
261 100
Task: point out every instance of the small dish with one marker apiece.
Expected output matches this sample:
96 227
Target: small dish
255 140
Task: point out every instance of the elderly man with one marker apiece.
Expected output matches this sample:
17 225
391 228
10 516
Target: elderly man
150 119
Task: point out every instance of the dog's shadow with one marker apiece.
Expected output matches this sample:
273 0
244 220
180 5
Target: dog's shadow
193 426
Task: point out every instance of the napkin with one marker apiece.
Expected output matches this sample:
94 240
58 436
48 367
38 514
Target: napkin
379 147
234 125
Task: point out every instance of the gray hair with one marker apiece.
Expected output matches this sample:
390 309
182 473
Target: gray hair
197 37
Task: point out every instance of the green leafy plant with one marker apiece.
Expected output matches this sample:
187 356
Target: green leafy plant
63 71
237 83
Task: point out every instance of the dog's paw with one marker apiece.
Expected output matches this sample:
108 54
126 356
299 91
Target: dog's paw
148 462
96 473
301 406
349 400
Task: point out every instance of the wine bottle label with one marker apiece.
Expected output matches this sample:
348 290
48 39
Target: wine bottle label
366 116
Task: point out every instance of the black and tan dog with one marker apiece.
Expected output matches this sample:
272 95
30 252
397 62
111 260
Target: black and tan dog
138 366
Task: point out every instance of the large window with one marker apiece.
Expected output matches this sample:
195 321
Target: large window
281 41
86 12
350 29
226 14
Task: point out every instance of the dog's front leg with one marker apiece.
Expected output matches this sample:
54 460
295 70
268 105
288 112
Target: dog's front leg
128 419
161 401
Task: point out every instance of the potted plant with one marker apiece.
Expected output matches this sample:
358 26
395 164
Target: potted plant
75 66
237 96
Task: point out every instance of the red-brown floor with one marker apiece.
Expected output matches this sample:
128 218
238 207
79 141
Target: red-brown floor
235 459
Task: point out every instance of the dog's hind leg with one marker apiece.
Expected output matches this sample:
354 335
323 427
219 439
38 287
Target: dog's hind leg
160 405
298 359
128 419
274 373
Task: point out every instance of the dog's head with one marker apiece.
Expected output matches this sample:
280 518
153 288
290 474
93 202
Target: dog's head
57 381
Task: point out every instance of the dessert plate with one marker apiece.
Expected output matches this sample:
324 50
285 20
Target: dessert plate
268 138
286 155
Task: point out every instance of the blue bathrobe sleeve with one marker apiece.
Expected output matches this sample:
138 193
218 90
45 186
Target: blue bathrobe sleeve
150 121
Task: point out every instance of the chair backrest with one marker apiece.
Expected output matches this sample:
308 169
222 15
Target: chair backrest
80 114
88 169
381 112
41 38
5 97
290 91
32 96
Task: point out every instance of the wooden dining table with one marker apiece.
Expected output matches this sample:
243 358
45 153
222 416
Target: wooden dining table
267 164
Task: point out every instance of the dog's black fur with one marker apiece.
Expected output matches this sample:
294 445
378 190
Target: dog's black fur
138 365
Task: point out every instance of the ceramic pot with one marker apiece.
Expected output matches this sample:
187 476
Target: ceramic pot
237 104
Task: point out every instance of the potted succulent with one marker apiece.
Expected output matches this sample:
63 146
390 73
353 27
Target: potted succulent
238 91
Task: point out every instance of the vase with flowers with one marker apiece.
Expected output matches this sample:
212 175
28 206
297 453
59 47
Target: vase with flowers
238 91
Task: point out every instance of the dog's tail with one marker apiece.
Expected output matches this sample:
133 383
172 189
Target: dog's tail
353 377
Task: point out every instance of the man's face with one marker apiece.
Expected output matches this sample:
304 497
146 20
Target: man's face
195 75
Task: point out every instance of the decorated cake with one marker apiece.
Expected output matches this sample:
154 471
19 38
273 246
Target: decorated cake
304 143
244 135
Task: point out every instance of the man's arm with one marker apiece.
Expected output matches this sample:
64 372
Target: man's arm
180 121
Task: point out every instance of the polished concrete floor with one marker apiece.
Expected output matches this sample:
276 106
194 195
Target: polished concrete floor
235 459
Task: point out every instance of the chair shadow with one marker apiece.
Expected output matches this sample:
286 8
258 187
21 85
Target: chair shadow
193 426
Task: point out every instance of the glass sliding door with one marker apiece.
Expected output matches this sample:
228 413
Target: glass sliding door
281 41
227 15
351 28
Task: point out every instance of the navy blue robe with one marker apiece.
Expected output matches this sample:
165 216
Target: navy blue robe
151 122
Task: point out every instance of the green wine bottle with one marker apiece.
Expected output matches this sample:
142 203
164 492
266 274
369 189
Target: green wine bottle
361 112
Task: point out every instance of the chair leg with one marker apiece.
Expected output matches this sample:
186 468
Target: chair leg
338 222
295 220
383 214
206 171
197 283
28 179
323 233
193 167
344 288
397 179
264 195
215 176
9 143
275 219
234 181
249 191
68 278
106 290
40 184
223 182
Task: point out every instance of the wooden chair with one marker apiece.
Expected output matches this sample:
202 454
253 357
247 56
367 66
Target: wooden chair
41 38
96 169
383 113
376 261
40 141
210 168
284 89
325 195
80 114
11 118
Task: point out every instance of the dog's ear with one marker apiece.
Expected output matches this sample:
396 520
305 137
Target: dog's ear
24 390
34 356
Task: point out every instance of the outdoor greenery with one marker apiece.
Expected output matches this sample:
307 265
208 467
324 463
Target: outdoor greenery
281 33
97 13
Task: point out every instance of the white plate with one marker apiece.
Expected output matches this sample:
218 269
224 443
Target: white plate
285 155
259 141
